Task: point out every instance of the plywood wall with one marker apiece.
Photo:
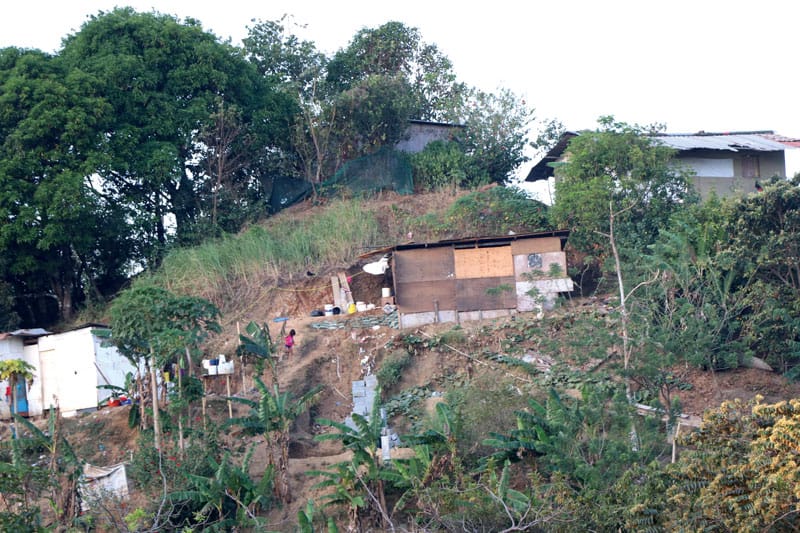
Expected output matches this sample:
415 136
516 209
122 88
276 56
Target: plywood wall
491 262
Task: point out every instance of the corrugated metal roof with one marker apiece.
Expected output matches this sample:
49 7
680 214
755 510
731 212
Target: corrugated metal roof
758 141
34 332
485 241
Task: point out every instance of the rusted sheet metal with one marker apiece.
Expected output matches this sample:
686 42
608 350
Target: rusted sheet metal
430 264
419 297
484 262
485 293
536 246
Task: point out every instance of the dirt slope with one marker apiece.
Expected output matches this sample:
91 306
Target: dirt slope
333 358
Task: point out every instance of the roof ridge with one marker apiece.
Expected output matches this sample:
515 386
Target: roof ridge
714 134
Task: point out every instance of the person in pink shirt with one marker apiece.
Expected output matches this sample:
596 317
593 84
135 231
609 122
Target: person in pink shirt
289 343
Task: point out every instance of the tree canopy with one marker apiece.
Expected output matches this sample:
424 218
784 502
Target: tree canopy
145 132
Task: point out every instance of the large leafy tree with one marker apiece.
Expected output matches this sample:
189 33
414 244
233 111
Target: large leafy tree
152 325
765 246
495 135
617 171
161 81
740 473
61 240
395 49
296 68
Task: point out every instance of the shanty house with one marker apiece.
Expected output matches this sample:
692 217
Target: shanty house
68 368
469 279
722 163
22 344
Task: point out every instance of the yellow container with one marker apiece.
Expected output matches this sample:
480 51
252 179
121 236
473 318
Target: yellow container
351 308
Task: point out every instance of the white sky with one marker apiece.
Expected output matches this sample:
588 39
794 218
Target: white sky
694 65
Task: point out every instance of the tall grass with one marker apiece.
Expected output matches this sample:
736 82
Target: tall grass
282 247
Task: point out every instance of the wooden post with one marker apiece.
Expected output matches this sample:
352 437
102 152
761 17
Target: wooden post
337 292
239 343
230 404
675 438
203 402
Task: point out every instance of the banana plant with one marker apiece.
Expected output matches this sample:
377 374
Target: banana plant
273 415
358 482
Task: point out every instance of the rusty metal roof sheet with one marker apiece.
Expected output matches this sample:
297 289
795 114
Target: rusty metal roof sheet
761 141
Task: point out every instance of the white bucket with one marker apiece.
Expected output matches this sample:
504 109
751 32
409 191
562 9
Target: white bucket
361 307
386 292
328 309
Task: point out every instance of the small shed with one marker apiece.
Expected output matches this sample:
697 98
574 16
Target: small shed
420 133
486 277
68 368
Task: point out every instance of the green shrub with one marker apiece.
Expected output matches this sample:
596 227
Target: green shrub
496 211
391 370
441 165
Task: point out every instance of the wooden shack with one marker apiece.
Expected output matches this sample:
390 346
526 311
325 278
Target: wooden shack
487 277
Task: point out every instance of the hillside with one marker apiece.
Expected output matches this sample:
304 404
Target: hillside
332 358
456 362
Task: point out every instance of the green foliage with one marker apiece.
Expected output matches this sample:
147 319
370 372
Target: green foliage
20 483
275 411
227 498
13 371
739 471
9 318
42 467
217 270
359 482
273 415
765 230
391 369
585 445
495 211
147 466
150 318
406 402
15 368
441 165
396 50
617 171
159 80
495 136
692 313
485 405
60 239
372 114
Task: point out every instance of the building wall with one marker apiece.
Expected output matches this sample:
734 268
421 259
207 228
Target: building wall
419 135
70 364
723 172
113 367
451 283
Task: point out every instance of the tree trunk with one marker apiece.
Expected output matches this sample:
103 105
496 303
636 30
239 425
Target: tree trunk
281 463
140 390
154 393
